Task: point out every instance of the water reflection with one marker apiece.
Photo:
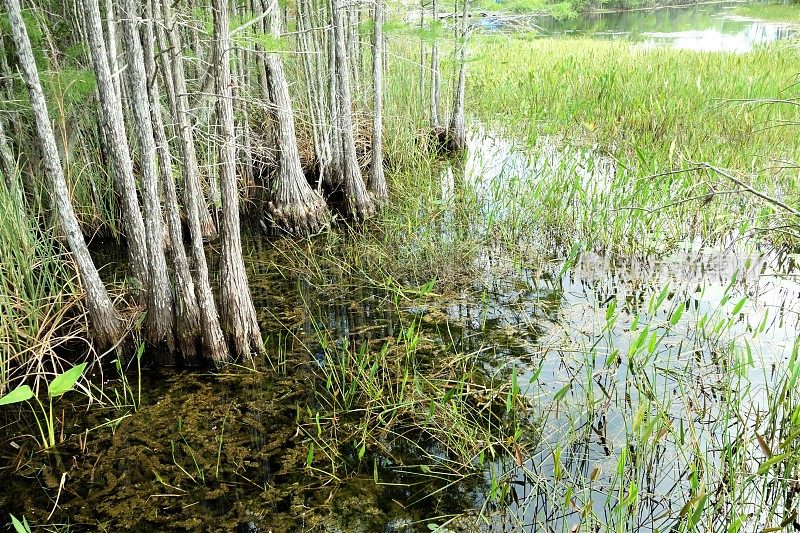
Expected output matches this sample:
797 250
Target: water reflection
707 28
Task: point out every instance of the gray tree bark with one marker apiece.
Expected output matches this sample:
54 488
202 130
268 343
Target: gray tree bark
238 312
107 326
377 181
458 125
160 317
114 126
192 186
113 56
187 319
294 206
8 166
358 200
436 78
336 141
213 339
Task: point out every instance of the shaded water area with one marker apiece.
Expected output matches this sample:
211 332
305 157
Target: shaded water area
591 338
700 27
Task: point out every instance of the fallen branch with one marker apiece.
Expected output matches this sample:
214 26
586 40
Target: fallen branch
749 189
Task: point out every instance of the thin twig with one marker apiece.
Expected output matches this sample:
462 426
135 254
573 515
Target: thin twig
749 189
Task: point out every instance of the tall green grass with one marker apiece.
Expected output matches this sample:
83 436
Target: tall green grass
668 105
40 297
786 12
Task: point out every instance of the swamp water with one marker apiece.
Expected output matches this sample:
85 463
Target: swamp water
631 407
701 27
647 379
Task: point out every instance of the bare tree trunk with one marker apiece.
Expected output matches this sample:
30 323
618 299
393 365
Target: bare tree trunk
238 312
294 206
107 327
113 56
213 339
314 72
359 203
378 180
8 166
337 154
436 78
192 186
160 316
241 86
458 125
350 17
187 323
421 55
114 126
258 10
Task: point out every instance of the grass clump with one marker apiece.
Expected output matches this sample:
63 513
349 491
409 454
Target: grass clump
771 12
40 300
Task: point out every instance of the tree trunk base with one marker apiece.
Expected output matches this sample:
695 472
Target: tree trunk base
447 141
301 217
361 208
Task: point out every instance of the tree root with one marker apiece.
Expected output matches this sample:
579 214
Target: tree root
302 217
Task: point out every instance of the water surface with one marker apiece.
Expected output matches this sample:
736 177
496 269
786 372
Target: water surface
704 27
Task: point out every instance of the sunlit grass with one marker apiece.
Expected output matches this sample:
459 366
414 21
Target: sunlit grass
786 12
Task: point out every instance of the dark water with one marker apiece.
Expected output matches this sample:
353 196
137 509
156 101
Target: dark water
708 28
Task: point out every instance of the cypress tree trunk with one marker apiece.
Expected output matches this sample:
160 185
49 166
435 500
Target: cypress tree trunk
458 125
241 89
187 319
436 78
337 155
107 327
160 316
185 133
294 206
113 56
213 339
378 180
421 55
8 166
359 203
314 72
114 127
238 312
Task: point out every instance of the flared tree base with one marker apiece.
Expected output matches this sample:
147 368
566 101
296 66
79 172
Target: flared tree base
361 208
301 217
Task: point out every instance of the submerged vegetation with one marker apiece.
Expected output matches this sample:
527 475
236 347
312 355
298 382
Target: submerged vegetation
475 281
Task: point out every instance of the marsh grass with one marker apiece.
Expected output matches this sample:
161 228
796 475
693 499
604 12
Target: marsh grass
786 12
414 406
41 304
669 105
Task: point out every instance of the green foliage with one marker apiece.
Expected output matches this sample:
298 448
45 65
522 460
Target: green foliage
559 10
66 381
58 386
20 527
266 41
23 393
772 12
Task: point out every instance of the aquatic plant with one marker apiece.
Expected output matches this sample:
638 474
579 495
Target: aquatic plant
58 386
